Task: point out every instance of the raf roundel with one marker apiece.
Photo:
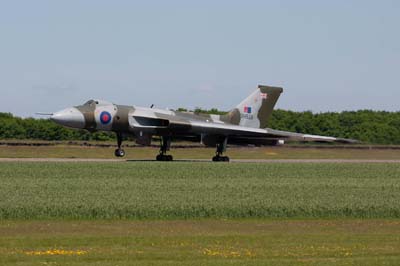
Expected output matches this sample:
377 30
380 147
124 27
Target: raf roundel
105 118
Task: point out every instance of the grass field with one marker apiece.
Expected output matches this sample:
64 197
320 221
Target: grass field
71 151
185 213
182 190
204 242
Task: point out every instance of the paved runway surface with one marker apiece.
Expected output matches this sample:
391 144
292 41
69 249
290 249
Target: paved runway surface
199 160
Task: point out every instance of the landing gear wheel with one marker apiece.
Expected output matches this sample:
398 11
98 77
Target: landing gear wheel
164 158
218 158
119 153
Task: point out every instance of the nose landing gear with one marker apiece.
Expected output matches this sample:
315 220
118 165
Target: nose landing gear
119 152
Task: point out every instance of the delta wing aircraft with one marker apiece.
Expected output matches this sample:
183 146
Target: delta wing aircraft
245 124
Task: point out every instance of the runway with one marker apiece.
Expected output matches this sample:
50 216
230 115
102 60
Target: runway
93 160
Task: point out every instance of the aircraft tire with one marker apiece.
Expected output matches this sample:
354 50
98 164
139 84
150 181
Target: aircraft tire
220 159
164 158
119 153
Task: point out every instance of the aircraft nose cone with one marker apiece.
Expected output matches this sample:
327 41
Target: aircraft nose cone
70 117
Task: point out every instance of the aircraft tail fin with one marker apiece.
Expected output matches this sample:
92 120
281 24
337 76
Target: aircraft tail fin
255 111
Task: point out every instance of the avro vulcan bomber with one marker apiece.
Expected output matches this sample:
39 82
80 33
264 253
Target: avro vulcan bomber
246 124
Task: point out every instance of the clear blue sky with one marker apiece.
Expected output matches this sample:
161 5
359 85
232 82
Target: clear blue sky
328 55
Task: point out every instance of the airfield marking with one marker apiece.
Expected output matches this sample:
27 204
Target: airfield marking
77 160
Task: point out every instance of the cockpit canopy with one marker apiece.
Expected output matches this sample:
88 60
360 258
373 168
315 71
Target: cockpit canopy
97 102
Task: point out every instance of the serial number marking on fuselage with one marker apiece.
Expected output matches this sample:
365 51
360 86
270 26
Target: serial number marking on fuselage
247 116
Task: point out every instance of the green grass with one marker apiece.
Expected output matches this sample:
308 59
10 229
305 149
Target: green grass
183 213
150 190
206 242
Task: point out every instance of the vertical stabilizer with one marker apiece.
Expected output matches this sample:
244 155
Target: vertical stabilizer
255 111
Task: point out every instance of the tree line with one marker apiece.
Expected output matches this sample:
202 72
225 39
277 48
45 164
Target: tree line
374 127
13 127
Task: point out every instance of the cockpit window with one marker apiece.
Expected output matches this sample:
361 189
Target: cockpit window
97 102
89 102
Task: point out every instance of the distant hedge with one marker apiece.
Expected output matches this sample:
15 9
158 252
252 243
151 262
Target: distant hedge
375 127
12 127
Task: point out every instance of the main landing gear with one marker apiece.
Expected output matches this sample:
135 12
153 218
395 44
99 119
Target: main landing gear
165 144
119 152
221 148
